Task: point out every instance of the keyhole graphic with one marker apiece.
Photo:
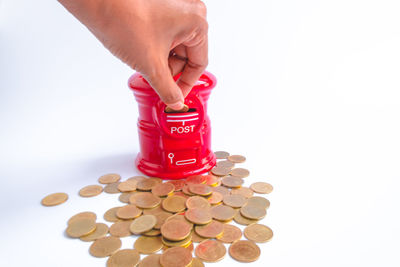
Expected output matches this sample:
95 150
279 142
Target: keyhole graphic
171 156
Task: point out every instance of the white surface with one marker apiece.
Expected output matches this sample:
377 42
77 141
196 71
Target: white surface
308 91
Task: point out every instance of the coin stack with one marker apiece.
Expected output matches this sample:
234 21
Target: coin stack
170 216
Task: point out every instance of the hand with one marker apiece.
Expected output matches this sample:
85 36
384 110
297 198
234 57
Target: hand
158 38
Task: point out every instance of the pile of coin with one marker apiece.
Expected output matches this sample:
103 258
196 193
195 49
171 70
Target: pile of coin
170 216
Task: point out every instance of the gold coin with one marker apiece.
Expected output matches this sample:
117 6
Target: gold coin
200 189
235 201
186 191
210 251
127 186
225 164
197 202
176 257
153 211
112 188
143 224
244 251
259 201
111 215
174 204
161 217
211 230
109 178
198 216
180 217
163 189
178 184
196 238
175 230
244 191
183 243
222 213
221 154
124 197
232 181
124 258
81 227
230 234
121 228
243 220
196 179
220 171
237 158
54 199
148 245
150 261
146 185
261 187
152 232
253 212
137 178
145 200
91 191
221 189
240 172
215 198
181 194
258 233
128 212
197 263
100 231
85 214
211 180
105 246
184 109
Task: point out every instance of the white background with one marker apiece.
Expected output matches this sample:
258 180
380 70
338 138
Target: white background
308 90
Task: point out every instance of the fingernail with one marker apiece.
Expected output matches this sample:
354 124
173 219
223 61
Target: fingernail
176 106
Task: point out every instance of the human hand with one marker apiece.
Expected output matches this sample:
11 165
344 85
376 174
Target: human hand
158 38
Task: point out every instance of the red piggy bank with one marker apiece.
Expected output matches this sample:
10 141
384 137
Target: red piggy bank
174 145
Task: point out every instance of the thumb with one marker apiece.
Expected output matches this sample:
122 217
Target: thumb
163 83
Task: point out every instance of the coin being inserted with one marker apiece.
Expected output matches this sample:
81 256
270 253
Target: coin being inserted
184 109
